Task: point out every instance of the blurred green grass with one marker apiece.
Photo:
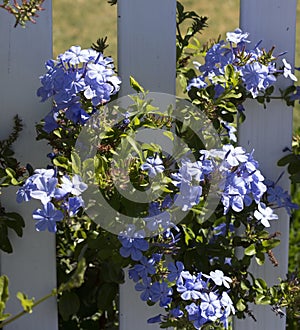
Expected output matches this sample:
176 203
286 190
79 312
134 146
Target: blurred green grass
82 22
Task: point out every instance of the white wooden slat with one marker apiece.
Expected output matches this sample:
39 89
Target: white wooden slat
146 44
269 131
146 51
32 266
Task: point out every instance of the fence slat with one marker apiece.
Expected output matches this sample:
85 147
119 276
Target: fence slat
32 266
269 131
146 51
146 44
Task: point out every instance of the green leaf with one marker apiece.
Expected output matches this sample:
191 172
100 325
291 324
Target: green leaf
12 175
76 279
5 244
4 295
244 286
270 243
106 295
26 303
57 133
261 284
15 222
132 142
295 178
188 233
286 160
135 85
68 305
260 258
250 250
229 71
112 272
261 299
76 163
61 162
169 135
240 306
10 172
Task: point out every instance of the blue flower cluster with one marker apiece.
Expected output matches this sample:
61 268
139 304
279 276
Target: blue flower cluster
189 294
78 80
240 184
201 298
242 180
256 68
278 197
60 197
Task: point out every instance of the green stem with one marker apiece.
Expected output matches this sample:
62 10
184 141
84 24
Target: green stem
13 318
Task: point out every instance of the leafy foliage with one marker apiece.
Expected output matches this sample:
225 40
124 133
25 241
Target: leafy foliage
100 45
94 303
11 173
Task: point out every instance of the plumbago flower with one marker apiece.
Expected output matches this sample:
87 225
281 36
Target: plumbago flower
60 197
181 255
234 70
79 80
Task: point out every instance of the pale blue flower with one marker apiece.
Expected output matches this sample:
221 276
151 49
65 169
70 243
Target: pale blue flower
287 71
219 278
153 166
133 246
97 72
24 192
145 287
217 57
161 219
198 82
75 55
45 189
50 122
74 205
47 217
156 319
75 186
143 269
76 114
194 315
235 155
176 312
237 36
231 131
189 286
264 214
175 270
210 306
188 196
227 303
160 291
234 193
254 75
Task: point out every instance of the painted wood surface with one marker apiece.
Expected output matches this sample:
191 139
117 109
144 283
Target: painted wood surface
146 51
32 266
268 131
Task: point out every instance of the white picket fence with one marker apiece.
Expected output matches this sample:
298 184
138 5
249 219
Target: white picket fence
146 49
